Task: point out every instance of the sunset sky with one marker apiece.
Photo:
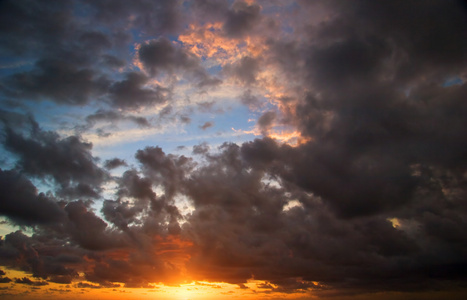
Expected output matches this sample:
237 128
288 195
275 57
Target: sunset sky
210 149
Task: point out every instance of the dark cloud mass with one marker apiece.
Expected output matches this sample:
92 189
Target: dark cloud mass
241 18
372 198
23 204
132 93
158 56
44 154
57 80
162 55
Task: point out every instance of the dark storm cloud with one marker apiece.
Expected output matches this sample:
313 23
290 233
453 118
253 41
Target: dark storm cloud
29 26
433 44
162 56
132 92
121 212
39 257
241 18
81 242
367 132
210 9
69 57
58 81
22 203
26 280
44 154
387 141
152 17
166 169
94 41
373 201
256 235
87 229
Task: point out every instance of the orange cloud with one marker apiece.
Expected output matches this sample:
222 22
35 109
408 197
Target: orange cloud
208 41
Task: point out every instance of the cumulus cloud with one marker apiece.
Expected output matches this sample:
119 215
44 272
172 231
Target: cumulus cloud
132 92
159 56
23 204
44 154
57 80
241 18
245 70
114 163
162 55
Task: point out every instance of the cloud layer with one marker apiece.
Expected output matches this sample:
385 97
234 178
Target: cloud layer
369 197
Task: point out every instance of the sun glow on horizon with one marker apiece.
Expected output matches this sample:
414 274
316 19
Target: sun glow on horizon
194 290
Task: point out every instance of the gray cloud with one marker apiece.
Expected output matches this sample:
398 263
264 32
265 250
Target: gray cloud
372 200
57 80
153 18
132 93
115 163
26 280
206 125
112 117
241 18
266 120
23 204
161 55
245 70
44 154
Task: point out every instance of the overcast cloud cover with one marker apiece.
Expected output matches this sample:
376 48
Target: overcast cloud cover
346 176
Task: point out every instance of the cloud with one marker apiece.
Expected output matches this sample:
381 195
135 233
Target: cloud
28 281
167 170
44 154
5 280
29 24
241 18
57 80
206 125
153 18
132 92
266 120
162 56
250 100
370 200
23 204
114 117
245 70
114 163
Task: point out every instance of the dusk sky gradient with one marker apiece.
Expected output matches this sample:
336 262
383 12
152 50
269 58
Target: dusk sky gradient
210 149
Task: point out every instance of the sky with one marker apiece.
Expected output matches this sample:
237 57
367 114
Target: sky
216 149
